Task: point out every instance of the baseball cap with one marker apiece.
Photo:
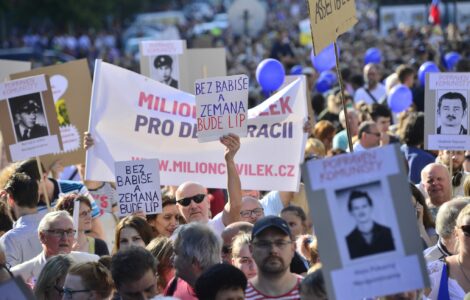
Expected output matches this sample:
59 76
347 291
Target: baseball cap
163 60
268 222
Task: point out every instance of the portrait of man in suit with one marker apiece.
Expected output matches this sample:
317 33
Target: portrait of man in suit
25 111
451 110
368 237
164 66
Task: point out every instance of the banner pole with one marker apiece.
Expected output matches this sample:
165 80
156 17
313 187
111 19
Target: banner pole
43 185
343 101
451 153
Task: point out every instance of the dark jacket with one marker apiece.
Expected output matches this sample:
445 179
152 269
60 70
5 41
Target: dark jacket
382 241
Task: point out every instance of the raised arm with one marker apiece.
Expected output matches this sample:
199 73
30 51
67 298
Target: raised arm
231 211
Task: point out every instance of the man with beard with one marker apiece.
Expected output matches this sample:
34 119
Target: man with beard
373 91
273 249
451 109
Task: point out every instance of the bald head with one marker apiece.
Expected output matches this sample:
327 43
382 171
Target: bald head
189 208
436 181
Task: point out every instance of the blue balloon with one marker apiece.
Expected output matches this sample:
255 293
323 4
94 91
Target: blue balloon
451 59
427 67
326 81
296 70
270 74
325 60
373 55
400 98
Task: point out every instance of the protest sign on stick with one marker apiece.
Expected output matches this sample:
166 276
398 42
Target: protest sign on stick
71 91
138 187
28 119
221 107
365 192
447 122
154 120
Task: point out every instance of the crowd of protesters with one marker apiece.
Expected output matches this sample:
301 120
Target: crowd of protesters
234 243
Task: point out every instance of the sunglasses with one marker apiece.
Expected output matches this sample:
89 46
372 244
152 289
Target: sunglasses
466 230
196 198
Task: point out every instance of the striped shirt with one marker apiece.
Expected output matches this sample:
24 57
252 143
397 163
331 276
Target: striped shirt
251 293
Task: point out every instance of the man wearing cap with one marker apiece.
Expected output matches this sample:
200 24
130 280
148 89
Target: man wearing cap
164 66
273 249
26 127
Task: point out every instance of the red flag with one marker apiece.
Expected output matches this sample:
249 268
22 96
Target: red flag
434 13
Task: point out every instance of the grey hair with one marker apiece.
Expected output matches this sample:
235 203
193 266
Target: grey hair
55 268
447 215
52 216
197 240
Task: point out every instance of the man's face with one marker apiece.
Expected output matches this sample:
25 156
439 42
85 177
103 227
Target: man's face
371 137
194 212
251 210
451 112
144 288
372 76
273 251
164 73
28 119
353 121
382 124
59 238
458 157
230 294
244 261
436 182
361 210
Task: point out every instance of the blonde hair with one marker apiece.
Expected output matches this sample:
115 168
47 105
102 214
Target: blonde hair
315 146
239 241
95 277
55 269
463 213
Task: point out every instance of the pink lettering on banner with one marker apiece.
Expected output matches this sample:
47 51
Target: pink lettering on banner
344 166
281 107
161 104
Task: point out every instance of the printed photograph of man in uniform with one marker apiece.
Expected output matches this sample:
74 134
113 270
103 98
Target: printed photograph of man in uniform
28 117
164 66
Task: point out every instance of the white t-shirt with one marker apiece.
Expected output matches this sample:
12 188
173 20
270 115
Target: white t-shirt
217 224
378 93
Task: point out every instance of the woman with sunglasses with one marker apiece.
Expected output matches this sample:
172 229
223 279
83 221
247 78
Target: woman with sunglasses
88 281
84 243
166 222
50 281
132 231
450 277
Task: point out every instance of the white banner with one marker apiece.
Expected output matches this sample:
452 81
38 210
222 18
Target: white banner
135 117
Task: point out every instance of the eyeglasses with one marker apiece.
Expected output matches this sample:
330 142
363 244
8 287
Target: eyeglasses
281 244
68 293
196 198
466 230
85 213
248 213
60 232
377 134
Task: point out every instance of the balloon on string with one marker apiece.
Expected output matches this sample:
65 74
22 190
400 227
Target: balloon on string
400 98
270 74
451 59
326 81
427 67
373 55
296 70
325 60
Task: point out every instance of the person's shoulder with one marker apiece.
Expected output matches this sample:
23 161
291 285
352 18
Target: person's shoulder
383 228
83 256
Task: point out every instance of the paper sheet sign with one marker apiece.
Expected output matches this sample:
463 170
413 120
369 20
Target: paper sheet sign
138 186
329 19
221 107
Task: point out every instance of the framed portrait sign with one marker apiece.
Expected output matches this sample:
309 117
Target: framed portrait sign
365 223
28 119
447 121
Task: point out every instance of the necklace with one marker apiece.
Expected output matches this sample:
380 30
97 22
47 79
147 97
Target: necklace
461 269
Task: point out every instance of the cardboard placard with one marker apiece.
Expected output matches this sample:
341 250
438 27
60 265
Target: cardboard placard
138 187
447 122
221 107
8 67
28 120
71 90
329 19
365 192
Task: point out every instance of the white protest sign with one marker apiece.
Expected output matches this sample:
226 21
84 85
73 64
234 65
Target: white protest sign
447 121
365 191
152 48
329 19
135 117
138 187
221 107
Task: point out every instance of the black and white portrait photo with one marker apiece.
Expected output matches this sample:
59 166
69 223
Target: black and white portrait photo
451 113
165 70
28 117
